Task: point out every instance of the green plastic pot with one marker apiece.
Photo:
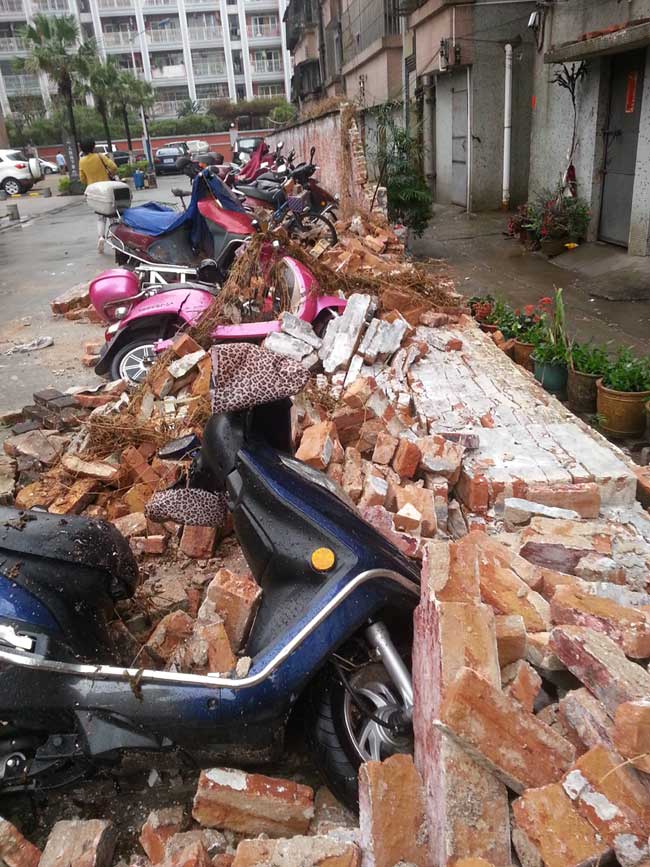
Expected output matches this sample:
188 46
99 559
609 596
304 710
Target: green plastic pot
552 376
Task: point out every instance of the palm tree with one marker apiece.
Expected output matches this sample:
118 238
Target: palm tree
130 92
101 80
53 48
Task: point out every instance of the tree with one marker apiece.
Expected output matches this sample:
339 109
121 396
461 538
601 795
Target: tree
188 108
130 92
53 48
99 79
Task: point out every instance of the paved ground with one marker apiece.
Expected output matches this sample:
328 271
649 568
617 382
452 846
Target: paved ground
39 259
484 261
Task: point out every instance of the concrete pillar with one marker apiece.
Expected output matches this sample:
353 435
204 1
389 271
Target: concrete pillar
227 48
248 79
4 100
286 56
140 41
187 50
640 221
97 27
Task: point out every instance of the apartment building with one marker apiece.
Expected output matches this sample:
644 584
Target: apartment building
188 49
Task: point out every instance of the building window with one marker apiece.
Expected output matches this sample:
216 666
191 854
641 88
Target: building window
268 60
233 25
240 92
237 62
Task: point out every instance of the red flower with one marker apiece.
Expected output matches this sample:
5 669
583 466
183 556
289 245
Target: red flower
517 311
529 309
546 301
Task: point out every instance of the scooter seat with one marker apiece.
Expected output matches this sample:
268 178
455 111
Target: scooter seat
83 550
275 197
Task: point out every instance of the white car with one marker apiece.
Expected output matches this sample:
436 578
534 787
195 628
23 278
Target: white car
48 168
17 173
198 146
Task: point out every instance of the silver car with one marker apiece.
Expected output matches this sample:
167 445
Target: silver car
16 176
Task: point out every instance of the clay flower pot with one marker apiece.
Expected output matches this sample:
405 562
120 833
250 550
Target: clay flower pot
621 413
551 375
582 392
523 351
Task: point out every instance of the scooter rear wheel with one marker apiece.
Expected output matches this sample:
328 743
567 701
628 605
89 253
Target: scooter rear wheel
133 361
342 736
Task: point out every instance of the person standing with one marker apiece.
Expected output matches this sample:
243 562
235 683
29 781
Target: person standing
61 163
93 168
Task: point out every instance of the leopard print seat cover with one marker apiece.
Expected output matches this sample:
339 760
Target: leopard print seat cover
243 375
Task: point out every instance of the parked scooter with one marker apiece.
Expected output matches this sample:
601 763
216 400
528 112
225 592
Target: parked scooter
212 226
143 315
333 629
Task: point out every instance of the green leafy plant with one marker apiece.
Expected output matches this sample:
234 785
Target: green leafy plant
64 185
589 358
284 113
628 373
128 169
398 156
552 215
504 317
551 344
481 306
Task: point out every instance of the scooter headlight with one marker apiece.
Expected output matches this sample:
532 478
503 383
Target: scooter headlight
120 312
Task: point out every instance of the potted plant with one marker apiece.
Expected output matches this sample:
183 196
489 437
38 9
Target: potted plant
527 330
554 220
481 307
551 350
587 364
623 392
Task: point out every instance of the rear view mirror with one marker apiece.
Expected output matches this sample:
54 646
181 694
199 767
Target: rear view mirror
311 154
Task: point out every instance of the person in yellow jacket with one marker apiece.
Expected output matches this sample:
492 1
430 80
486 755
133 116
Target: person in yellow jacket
94 167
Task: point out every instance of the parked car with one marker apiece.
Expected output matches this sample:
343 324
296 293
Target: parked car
198 146
119 157
48 168
178 144
165 158
244 147
15 173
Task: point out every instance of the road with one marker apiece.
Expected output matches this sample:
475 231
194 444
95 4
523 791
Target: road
39 259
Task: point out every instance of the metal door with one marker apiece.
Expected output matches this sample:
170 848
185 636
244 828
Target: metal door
459 141
621 140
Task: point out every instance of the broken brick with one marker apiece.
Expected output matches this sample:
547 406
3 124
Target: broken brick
236 599
407 459
318 851
407 519
317 445
391 813
134 524
75 499
549 830
353 474
582 497
423 501
521 750
193 855
160 826
631 734
139 466
584 715
175 628
100 470
512 638
207 650
600 665
198 542
252 803
374 492
522 683
15 850
384 448
213 841
89 842
441 456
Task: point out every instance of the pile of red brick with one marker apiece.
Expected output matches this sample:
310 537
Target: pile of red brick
249 820
529 672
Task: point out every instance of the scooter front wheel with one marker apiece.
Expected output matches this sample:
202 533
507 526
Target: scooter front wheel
133 361
350 720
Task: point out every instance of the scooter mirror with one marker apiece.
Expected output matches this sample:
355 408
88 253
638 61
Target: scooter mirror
311 154
279 146
179 448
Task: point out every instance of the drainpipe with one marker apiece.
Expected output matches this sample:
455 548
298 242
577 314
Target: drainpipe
507 129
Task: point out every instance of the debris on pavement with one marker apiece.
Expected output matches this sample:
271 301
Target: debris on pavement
31 346
532 634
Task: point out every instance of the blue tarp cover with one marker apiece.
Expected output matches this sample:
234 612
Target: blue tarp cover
155 219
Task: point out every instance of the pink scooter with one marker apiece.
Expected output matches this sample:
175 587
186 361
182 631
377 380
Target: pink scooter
144 318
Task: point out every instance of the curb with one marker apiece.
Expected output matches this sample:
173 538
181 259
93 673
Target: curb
24 221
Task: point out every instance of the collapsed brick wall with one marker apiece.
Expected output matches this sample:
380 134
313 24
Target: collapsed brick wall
340 155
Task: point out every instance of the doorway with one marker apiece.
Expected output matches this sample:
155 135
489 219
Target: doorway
621 141
459 98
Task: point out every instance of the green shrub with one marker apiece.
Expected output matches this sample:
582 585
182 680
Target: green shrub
589 358
628 372
128 169
64 185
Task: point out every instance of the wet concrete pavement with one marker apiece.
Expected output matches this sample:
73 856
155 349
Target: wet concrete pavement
485 261
39 259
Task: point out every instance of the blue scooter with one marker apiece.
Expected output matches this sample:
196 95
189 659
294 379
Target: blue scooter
333 632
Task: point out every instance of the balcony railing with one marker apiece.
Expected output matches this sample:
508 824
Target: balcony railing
176 70
265 31
206 101
12 7
116 38
163 36
16 85
205 69
261 67
108 5
205 34
166 108
51 7
165 4
12 43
